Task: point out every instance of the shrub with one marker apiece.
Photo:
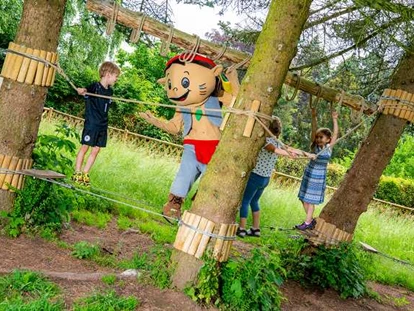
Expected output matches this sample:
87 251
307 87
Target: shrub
252 283
397 190
336 267
245 283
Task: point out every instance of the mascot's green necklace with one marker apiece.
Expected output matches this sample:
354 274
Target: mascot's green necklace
198 114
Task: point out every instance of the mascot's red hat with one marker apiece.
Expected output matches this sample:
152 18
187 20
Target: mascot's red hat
198 59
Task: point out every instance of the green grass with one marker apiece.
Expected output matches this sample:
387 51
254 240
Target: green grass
26 290
132 172
108 301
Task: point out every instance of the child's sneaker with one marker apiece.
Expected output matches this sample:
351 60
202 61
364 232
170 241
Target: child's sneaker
253 232
86 180
77 177
241 233
304 226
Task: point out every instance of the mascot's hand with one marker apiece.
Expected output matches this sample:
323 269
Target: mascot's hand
147 116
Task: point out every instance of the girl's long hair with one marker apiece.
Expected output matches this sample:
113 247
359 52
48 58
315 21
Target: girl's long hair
323 130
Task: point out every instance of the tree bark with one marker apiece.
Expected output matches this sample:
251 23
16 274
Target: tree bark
21 105
359 184
222 186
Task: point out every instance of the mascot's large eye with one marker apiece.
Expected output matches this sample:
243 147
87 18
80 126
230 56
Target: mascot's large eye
169 84
185 82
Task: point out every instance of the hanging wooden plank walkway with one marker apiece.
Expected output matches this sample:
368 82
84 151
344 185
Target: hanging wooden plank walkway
157 29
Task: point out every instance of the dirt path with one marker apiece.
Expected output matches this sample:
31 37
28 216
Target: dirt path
39 255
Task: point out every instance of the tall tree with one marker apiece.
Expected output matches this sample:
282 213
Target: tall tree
21 105
218 198
359 184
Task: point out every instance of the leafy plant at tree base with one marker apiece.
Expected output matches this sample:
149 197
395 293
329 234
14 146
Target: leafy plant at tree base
55 152
253 283
245 283
39 203
336 267
206 288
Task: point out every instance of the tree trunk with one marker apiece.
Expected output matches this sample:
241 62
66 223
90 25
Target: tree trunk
359 184
21 105
222 186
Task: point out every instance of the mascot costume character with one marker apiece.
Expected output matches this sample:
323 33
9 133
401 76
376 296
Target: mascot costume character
194 85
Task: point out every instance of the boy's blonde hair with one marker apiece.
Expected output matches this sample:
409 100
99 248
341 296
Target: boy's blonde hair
108 67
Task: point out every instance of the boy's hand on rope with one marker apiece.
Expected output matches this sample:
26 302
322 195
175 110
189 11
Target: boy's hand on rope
81 90
335 114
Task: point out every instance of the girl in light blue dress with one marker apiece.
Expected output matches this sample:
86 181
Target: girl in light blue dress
312 188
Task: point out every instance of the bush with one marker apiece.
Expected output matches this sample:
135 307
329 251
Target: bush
397 190
253 283
245 283
336 268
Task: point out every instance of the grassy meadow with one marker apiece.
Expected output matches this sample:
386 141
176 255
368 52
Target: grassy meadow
143 179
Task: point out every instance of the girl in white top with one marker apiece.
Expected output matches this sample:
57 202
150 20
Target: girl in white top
259 179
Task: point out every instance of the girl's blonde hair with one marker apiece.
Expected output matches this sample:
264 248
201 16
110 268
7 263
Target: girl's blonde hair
108 67
323 130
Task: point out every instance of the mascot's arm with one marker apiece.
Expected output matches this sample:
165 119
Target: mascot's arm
226 97
172 126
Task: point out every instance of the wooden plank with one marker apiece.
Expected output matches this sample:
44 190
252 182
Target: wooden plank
231 231
5 165
42 173
11 60
39 71
31 73
197 237
25 67
50 73
8 178
218 247
17 64
180 243
394 110
191 234
15 179
227 115
204 240
179 238
251 120
6 64
157 29
54 71
46 68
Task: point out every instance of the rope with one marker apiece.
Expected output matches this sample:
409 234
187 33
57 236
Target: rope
136 32
221 53
295 92
238 65
236 111
71 187
110 25
318 96
212 235
165 45
357 115
188 56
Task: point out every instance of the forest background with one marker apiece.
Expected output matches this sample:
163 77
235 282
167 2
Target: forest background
345 45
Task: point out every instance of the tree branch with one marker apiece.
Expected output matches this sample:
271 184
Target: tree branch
341 52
